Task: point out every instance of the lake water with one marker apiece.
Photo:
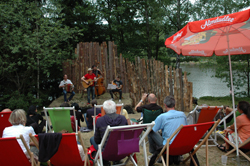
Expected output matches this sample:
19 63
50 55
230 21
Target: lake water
204 84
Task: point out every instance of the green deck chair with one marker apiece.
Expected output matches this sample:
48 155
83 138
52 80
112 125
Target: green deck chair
150 115
60 118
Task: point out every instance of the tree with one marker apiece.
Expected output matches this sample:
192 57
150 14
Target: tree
22 43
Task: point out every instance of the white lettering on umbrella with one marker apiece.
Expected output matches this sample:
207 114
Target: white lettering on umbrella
217 21
177 36
240 49
197 52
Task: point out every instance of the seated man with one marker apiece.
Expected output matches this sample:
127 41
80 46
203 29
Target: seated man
151 109
168 122
90 113
63 85
111 118
119 85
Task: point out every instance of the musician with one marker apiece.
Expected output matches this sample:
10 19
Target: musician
119 85
63 85
96 71
91 88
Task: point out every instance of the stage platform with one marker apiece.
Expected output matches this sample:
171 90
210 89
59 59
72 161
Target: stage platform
82 101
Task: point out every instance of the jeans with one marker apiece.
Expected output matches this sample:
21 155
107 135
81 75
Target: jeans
91 89
116 90
92 141
65 95
155 141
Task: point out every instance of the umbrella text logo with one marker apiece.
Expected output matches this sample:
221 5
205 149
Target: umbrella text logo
218 20
177 36
240 49
197 52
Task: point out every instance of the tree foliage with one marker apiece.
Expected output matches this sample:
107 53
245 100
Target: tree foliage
29 41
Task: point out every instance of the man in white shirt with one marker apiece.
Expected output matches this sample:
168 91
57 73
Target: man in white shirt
63 85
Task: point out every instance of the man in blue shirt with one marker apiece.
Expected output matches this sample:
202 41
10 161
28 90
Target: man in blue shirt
168 122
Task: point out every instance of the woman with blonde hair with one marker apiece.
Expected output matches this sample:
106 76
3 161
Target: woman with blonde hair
18 120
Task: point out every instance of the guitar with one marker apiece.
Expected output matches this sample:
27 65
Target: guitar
90 81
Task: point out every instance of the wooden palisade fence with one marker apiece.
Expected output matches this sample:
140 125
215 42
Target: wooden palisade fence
142 76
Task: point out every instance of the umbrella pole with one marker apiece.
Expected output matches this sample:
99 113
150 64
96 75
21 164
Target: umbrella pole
232 89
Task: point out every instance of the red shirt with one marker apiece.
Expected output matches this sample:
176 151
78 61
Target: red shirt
92 76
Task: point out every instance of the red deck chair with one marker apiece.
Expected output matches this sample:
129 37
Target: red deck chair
68 153
203 114
192 135
4 121
12 154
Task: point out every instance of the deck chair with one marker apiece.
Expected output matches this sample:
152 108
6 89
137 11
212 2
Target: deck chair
4 121
60 118
244 146
203 114
12 154
121 142
192 135
149 115
68 153
119 108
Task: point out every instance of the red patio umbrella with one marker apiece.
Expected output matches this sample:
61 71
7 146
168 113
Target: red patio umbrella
223 35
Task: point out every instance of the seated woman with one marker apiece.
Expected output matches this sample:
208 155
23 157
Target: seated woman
18 119
33 119
242 124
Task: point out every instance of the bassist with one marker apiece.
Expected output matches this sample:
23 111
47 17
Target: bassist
91 89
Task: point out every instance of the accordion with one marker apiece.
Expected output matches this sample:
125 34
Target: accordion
68 87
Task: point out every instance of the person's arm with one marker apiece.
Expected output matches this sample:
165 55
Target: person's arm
61 85
84 79
100 72
144 96
129 122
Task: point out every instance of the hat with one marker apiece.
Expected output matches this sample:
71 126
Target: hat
89 69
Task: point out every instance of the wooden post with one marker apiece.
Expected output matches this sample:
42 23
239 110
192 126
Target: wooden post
181 90
167 81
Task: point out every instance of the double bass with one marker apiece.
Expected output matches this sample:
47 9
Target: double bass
99 86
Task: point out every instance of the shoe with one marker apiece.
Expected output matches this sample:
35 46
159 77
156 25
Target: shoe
120 101
222 148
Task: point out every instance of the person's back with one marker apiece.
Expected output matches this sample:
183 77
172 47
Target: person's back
111 118
18 120
170 121
90 113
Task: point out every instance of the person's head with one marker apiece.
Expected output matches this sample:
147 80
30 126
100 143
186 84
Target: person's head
169 102
93 102
243 107
64 105
94 67
152 98
18 117
109 106
65 77
118 78
6 110
32 110
90 71
75 105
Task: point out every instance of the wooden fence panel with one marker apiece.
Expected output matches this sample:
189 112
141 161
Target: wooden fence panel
142 76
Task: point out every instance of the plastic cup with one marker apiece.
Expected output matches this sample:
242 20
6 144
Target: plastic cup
224 160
